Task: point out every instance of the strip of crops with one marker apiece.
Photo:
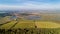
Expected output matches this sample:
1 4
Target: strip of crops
8 25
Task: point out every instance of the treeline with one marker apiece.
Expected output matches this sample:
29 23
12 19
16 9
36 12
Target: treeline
30 31
4 14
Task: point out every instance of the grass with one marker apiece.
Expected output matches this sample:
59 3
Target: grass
24 24
8 25
47 24
4 19
43 27
21 23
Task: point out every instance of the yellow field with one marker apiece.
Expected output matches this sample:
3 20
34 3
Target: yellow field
47 24
30 24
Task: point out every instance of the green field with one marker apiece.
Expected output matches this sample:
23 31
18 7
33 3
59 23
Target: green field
37 26
8 25
22 23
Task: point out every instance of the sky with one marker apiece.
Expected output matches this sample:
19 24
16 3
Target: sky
29 4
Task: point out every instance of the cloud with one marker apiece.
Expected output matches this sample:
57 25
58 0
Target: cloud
29 4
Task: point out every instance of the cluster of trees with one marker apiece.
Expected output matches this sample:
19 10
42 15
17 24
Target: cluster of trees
29 31
4 14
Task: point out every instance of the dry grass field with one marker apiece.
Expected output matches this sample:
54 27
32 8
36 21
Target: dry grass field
47 24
